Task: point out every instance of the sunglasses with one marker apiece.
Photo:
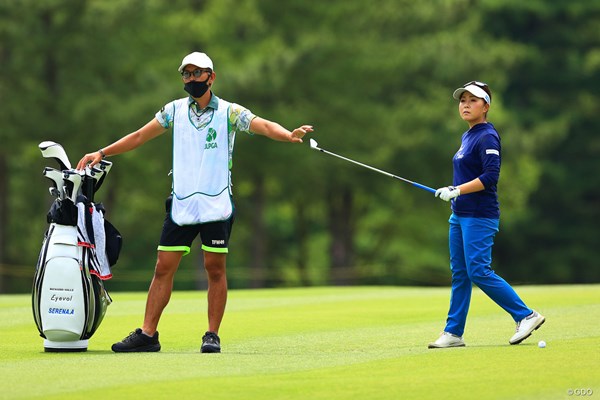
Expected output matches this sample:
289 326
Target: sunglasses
197 73
476 83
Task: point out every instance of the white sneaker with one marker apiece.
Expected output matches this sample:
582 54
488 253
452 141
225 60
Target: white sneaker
447 339
526 326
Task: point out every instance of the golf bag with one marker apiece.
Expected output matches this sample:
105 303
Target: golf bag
69 299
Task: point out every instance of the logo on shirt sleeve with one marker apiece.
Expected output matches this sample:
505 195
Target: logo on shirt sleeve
492 151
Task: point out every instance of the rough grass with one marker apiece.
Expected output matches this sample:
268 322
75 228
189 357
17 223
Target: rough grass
316 343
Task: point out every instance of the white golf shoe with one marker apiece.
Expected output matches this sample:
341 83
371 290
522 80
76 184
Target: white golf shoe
526 326
447 339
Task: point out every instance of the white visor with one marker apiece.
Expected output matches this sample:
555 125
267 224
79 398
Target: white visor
474 90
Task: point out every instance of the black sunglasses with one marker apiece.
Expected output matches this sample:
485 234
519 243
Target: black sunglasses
197 73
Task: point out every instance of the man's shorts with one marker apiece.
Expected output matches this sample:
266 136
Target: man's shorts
214 235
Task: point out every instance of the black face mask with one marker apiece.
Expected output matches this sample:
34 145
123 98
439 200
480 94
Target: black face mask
196 89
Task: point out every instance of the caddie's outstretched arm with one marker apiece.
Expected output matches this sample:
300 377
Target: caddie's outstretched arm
275 131
135 139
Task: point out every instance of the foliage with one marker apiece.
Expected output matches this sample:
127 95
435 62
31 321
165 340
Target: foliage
374 81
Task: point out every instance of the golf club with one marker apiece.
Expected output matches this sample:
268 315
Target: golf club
54 192
105 166
56 177
54 150
90 180
73 181
314 145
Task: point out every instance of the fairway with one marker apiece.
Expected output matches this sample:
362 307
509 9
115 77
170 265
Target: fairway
317 343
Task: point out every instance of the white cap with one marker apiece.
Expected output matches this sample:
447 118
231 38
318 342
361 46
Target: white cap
474 90
198 59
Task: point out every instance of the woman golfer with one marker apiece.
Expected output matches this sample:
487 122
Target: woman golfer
475 220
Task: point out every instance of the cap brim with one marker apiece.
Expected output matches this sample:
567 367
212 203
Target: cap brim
191 63
474 90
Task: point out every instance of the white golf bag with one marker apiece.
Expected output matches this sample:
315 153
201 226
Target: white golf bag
69 300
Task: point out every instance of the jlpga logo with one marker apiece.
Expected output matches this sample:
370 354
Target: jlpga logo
211 138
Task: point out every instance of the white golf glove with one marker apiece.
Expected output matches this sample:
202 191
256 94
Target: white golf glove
447 193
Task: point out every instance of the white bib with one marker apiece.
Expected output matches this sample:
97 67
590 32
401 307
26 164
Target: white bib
201 174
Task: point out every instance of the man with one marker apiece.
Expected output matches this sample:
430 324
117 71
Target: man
204 128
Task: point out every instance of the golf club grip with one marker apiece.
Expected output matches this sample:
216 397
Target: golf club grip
424 187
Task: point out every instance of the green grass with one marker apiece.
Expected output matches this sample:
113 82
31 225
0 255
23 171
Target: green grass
316 343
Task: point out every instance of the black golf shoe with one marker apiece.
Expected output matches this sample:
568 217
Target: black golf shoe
137 342
210 343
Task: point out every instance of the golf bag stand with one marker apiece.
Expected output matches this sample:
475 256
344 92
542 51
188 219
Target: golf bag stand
69 300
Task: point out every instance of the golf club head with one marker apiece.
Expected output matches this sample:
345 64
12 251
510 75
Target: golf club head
73 181
54 150
91 176
76 186
105 166
313 144
56 177
93 172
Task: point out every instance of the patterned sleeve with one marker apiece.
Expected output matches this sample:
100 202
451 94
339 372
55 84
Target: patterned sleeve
165 115
240 118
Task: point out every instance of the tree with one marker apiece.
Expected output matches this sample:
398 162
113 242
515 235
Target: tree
553 96
375 82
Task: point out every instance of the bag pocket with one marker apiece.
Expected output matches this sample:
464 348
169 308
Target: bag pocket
114 242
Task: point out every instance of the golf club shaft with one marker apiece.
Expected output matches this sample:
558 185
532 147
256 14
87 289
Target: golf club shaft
427 188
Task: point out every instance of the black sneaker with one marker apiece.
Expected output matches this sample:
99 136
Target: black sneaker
210 343
137 342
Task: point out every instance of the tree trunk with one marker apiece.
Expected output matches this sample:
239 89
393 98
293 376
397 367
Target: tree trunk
341 227
258 241
302 242
3 219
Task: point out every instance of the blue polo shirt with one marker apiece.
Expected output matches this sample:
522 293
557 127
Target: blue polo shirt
478 157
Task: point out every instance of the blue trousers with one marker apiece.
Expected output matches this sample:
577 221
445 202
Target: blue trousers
471 241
